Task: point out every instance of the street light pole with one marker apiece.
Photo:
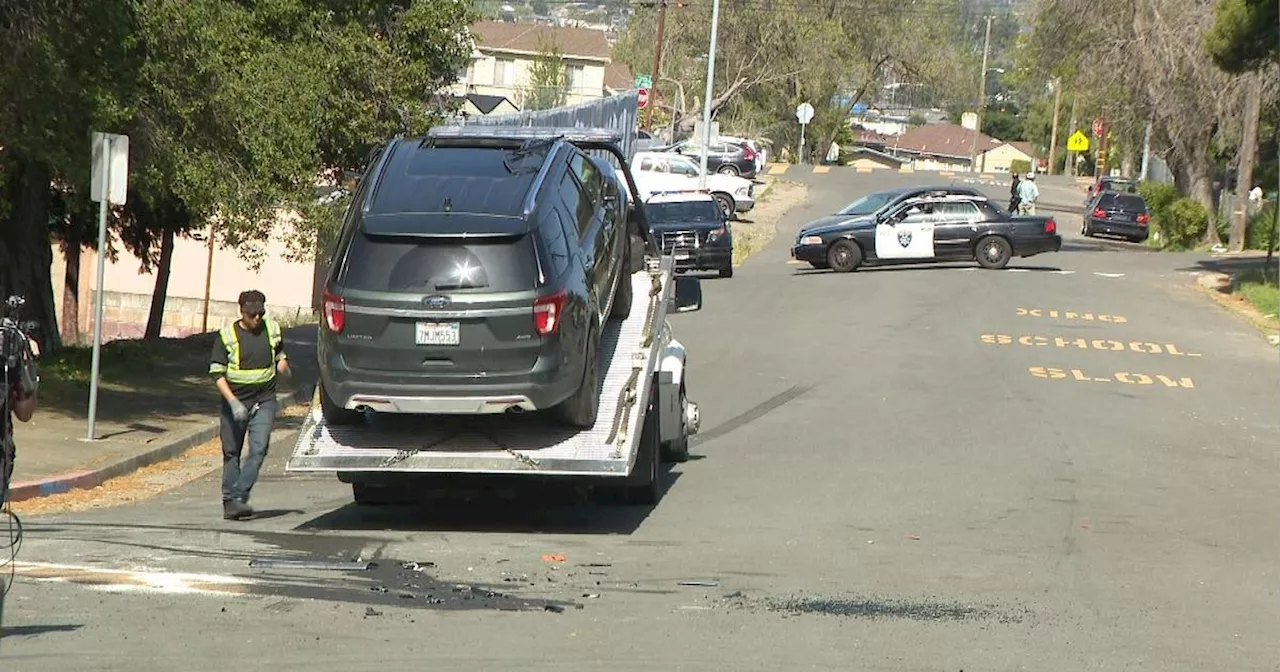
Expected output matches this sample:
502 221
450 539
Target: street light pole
706 105
982 99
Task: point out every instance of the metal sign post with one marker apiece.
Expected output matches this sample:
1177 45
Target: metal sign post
109 184
804 114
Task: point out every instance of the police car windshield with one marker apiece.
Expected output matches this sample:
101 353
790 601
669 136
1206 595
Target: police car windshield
868 204
683 211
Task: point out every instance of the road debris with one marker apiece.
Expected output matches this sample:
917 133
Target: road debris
553 558
705 584
280 563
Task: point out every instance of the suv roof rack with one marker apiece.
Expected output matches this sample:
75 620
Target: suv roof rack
570 134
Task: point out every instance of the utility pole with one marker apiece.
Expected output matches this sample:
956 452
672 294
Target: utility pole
706 104
657 63
982 99
1070 164
1053 134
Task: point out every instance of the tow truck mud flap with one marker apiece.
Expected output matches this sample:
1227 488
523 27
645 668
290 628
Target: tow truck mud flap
515 444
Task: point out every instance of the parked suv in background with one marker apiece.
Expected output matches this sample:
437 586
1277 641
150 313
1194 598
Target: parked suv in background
723 157
474 274
1117 214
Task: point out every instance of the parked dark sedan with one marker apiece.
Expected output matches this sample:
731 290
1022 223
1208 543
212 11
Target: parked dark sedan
1117 214
929 228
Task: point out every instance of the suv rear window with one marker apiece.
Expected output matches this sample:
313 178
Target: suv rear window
1126 202
392 264
480 180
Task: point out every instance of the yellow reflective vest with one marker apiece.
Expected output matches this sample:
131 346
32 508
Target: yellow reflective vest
232 371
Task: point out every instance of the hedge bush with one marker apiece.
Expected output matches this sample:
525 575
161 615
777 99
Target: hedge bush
1260 229
1158 196
1183 223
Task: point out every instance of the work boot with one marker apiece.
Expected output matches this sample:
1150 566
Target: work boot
234 509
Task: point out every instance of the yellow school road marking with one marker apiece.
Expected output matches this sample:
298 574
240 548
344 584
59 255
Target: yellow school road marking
1069 315
1123 377
778 168
1144 347
822 169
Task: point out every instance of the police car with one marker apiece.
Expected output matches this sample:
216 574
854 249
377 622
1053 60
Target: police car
691 227
930 228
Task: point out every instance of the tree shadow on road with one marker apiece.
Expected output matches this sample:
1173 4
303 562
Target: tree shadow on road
7 631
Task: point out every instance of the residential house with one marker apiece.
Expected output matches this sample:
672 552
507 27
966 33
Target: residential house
866 159
940 147
505 52
1001 158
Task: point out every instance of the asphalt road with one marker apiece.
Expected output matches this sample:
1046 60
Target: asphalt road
916 468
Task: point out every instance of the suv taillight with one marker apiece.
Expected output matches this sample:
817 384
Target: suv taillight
335 311
1050 226
547 311
1099 213
1144 218
748 154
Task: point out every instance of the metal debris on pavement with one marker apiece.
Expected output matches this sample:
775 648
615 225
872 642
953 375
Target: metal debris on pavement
707 584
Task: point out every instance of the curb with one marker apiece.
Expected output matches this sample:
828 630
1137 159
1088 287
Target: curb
87 479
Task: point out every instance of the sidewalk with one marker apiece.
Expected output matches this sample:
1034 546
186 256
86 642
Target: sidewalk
155 402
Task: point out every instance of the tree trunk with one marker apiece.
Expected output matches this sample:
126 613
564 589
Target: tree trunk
25 252
155 320
1248 151
1202 190
72 248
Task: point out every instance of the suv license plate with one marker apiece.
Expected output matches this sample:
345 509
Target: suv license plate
438 333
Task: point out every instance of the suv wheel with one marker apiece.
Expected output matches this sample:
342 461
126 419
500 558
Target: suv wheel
728 169
622 295
580 410
335 414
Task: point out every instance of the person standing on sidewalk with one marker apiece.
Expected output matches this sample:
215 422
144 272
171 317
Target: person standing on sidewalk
1013 193
247 356
1028 194
17 402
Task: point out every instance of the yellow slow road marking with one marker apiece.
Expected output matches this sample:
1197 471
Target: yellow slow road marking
778 168
822 169
1124 377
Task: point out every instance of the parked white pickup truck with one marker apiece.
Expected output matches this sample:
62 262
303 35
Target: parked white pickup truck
669 171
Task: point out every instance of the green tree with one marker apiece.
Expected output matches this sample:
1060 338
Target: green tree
1245 34
548 77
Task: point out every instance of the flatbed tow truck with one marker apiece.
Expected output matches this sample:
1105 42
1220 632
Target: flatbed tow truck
645 417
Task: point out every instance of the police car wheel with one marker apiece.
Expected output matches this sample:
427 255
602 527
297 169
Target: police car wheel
993 252
844 256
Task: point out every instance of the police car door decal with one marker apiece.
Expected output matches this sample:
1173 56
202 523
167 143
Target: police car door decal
911 238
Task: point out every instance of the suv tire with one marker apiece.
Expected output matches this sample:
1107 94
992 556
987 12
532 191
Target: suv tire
336 415
582 407
622 294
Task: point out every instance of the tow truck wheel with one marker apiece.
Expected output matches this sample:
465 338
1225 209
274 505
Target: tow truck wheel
726 271
336 415
622 296
677 450
844 256
644 486
727 207
580 410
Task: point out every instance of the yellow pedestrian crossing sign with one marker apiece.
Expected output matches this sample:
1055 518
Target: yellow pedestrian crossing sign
1078 142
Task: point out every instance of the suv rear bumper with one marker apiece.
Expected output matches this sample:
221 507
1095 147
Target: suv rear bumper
533 391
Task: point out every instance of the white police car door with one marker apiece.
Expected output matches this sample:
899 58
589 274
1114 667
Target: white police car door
906 237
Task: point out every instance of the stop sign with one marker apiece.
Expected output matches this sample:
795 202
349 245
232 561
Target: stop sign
1097 127
644 97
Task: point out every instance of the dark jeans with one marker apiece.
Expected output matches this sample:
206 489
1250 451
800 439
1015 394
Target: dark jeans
237 478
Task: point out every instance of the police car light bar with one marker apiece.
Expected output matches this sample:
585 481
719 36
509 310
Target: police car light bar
527 132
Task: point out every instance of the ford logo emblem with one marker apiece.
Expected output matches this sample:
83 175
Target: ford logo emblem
436 301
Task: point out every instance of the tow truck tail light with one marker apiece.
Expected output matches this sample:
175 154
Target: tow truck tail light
547 311
1099 213
1050 226
1144 218
335 311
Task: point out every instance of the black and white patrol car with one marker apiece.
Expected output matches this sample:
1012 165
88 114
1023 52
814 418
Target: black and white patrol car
930 228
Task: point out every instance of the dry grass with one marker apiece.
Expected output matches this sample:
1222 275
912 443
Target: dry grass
758 231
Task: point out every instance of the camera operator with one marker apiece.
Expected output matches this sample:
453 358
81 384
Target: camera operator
20 404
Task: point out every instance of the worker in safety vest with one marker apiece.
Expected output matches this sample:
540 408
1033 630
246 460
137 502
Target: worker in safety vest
247 356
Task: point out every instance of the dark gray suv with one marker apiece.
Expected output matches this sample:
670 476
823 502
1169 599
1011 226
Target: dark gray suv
474 274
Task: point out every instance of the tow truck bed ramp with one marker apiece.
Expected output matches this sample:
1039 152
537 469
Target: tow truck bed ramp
507 444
